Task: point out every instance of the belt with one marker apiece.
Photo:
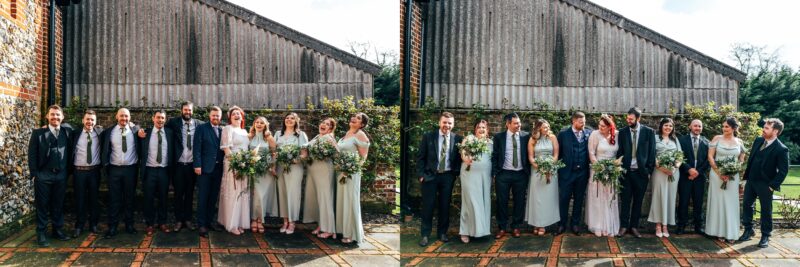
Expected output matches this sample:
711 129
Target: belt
184 163
123 166
86 168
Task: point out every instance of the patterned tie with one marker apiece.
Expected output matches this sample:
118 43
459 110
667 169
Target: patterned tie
634 141
763 145
579 136
443 154
188 137
158 155
514 161
124 141
88 148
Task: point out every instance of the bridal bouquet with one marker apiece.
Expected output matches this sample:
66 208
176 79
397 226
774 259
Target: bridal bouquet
608 172
547 165
670 159
730 167
321 150
249 164
287 154
347 163
473 147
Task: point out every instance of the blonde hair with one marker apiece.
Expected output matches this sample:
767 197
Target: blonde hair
267 133
536 134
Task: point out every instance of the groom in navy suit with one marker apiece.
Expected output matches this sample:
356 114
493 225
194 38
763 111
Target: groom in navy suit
208 165
574 177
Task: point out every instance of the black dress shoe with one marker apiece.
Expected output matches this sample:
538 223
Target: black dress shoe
216 227
423 242
636 233
189 225
95 229
203 232
764 242
41 238
561 230
58 234
77 232
747 235
443 238
699 230
130 229
622 232
111 233
679 230
576 230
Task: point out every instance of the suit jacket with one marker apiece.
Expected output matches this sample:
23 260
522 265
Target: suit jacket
144 144
645 150
76 134
205 148
688 154
105 138
176 125
39 146
774 167
499 148
428 155
565 139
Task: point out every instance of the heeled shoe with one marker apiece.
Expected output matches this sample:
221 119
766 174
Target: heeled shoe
315 232
283 228
658 232
465 239
254 226
665 232
290 229
325 235
541 231
347 240
260 227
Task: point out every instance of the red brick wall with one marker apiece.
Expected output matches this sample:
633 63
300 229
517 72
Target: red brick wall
416 47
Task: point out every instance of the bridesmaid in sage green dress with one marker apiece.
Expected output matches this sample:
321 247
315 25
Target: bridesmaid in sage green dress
542 207
265 189
476 189
290 184
318 205
722 209
665 193
348 195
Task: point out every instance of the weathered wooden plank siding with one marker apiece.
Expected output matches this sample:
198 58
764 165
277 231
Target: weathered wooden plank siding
560 53
170 50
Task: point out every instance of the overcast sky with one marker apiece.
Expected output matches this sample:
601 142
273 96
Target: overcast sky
709 26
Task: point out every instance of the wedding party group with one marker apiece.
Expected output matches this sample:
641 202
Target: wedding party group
242 175
606 171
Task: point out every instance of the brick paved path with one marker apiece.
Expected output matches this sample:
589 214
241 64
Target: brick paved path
220 249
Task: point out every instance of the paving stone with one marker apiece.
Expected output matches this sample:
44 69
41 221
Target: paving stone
585 262
172 259
337 244
27 235
775 262
382 228
391 240
527 262
695 244
751 247
295 240
405 260
641 245
105 259
449 262
409 243
650 262
575 244
36 259
715 263
475 245
243 260
370 260
182 239
122 240
528 244
228 240
309 260
791 243
54 243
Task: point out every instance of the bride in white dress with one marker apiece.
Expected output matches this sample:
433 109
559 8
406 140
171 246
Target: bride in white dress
234 198
602 210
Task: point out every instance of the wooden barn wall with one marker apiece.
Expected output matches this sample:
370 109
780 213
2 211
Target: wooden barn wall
522 52
171 50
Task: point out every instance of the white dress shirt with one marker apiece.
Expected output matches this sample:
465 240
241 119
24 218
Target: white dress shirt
54 130
119 158
508 163
152 148
446 159
186 156
80 149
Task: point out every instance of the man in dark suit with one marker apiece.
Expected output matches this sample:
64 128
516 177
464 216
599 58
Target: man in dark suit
86 172
207 162
438 165
120 159
49 152
637 145
156 160
766 169
511 171
693 177
573 146
183 131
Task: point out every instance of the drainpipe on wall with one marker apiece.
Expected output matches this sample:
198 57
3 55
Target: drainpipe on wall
51 54
405 174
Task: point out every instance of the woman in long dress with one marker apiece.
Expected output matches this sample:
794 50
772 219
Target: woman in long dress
234 197
476 188
290 182
265 188
348 195
665 193
318 206
602 209
542 208
722 210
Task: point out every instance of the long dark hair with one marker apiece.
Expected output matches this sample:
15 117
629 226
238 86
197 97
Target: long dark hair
672 134
296 124
734 124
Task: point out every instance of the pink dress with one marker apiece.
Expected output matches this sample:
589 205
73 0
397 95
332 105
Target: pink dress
234 196
602 210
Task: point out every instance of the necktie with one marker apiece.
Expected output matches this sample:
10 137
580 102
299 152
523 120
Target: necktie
443 154
218 131
55 132
88 148
694 146
763 145
158 155
124 141
635 142
188 137
579 135
514 161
